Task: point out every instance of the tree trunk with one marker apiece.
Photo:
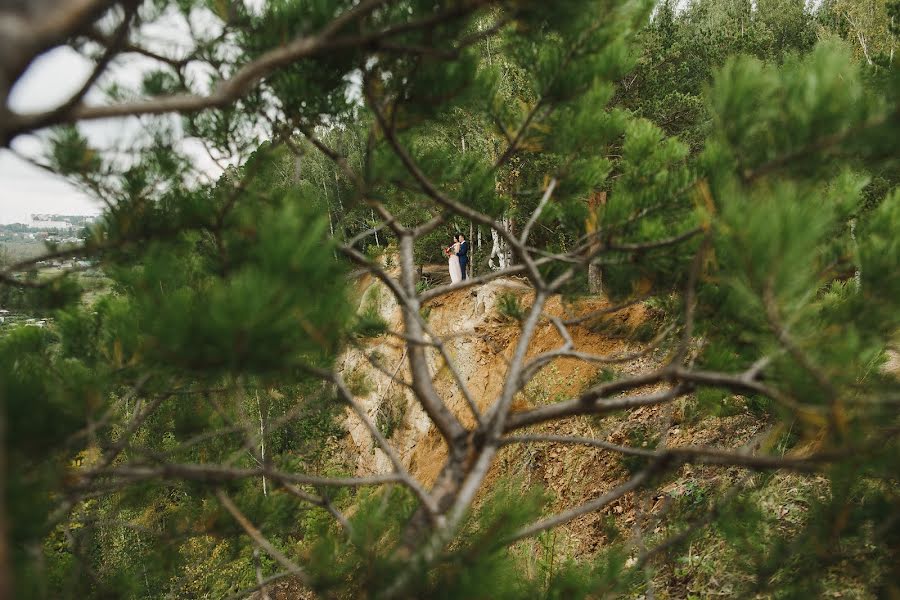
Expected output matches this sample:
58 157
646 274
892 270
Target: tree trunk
592 228
377 242
330 220
298 163
857 275
262 443
499 249
340 207
471 264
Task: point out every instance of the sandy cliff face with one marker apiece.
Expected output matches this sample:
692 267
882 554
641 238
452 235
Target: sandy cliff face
480 342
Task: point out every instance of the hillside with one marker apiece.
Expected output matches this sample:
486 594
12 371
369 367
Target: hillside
479 339
206 393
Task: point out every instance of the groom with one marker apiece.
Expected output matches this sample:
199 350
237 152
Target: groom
463 253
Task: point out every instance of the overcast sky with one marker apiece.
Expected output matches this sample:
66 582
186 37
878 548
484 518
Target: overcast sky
50 81
25 189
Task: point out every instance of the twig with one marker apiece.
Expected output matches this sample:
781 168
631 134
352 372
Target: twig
537 211
261 540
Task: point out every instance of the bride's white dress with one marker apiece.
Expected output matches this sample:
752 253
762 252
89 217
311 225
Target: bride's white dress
455 271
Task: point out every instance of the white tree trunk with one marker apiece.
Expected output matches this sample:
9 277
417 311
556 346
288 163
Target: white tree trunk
262 442
471 263
330 220
857 276
865 48
377 242
500 249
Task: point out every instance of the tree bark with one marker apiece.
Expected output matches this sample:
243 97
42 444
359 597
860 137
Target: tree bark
499 250
592 227
262 443
471 264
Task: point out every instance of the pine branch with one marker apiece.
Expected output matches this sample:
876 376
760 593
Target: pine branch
588 507
212 473
248 76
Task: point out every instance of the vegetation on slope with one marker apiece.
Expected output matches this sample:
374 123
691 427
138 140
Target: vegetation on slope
227 416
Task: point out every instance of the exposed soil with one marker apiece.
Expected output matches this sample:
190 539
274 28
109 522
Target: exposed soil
480 341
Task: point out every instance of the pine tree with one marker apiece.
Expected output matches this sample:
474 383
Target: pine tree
177 437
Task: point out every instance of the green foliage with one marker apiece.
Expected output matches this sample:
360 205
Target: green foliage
370 323
747 147
359 383
478 567
71 153
390 415
509 307
604 375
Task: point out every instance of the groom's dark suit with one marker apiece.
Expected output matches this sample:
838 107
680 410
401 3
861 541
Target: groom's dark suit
463 255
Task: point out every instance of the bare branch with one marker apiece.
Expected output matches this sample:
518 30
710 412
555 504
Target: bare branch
446 422
743 383
683 454
247 592
787 341
114 44
823 144
605 311
568 351
584 441
211 473
655 244
708 517
42 27
690 301
433 192
588 507
443 290
248 76
438 343
587 405
362 260
261 540
537 211
127 47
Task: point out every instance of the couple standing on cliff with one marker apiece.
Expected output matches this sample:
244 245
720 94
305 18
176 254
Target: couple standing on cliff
458 256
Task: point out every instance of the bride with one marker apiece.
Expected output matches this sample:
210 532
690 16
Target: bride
453 261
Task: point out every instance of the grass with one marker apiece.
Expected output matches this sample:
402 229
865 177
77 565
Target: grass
19 251
604 375
422 285
390 414
509 307
358 382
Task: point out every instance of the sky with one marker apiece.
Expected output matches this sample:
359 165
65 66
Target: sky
49 82
25 189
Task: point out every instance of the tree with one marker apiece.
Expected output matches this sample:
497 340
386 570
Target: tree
868 24
140 415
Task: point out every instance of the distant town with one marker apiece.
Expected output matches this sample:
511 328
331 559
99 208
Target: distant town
60 229
25 241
